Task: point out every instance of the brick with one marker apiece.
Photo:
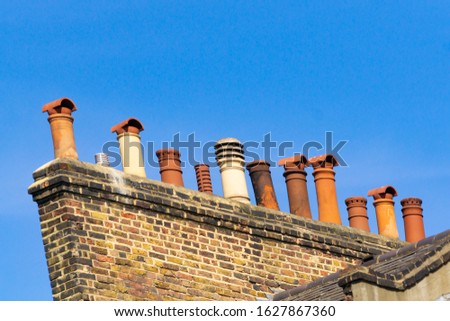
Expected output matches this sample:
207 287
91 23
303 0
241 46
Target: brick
99 250
99 216
120 261
104 258
206 254
97 235
228 266
223 257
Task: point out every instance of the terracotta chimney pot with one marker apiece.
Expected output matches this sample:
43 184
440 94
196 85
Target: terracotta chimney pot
61 125
357 212
384 208
203 178
413 219
130 146
326 188
230 158
295 177
259 171
170 166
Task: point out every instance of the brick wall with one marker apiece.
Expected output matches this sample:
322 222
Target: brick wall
112 236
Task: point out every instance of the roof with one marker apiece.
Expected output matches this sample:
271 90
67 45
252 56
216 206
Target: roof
323 289
398 270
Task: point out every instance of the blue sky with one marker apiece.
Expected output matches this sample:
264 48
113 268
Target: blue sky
375 73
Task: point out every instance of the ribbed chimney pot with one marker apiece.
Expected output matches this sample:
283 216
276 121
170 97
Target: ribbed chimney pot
61 125
326 188
130 146
295 178
230 158
413 219
357 212
203 177
384 208
102 159
170 166
259 171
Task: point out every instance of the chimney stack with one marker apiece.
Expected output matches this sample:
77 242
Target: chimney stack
357 212
61 125
230 158
130 146
259 171
413 219
170 166
326 188
203 178
384 208
295 177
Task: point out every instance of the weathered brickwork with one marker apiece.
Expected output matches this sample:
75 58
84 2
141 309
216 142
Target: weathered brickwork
111 236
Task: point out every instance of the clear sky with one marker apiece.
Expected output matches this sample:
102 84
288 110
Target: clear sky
375 73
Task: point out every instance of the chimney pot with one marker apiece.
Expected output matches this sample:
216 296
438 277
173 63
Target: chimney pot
326 188
130 146
259 171
170 166
384 208
295 177
413 219
61 125
231 160
102 159
357 212
203 178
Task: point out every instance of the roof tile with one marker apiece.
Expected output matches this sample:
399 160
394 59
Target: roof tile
398 269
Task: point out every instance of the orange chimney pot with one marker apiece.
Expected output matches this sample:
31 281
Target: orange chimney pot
61 125
326 187
384 208
295 178
259 171
357 212
413 219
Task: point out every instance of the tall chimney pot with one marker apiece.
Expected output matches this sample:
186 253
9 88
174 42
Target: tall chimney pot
61 125
295 177
357 212
130 146
230 158
413 219
384 208
326 188
259 171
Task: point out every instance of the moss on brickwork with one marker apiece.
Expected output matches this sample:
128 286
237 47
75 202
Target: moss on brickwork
112 236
